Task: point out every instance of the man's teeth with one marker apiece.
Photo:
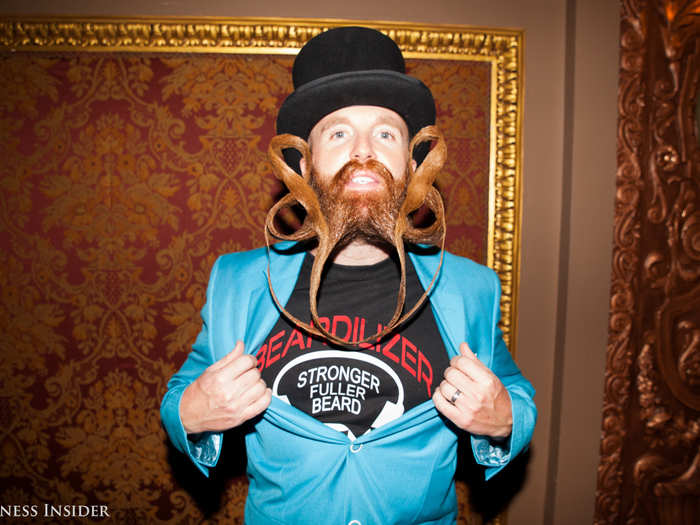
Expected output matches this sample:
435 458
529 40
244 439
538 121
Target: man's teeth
362 180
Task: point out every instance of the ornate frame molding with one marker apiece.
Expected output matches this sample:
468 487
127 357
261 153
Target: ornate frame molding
503 49
648 467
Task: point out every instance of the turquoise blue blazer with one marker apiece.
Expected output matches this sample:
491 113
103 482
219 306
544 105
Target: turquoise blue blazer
303 472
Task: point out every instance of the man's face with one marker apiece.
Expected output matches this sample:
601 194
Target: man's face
359 133
360 174
359 158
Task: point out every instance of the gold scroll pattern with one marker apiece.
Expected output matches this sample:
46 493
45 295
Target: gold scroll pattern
123 177
653 475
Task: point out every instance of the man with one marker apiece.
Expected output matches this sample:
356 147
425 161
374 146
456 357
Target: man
363 432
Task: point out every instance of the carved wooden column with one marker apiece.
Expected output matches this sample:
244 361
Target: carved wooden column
649 471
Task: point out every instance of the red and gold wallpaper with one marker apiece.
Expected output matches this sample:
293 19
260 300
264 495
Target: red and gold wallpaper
122 178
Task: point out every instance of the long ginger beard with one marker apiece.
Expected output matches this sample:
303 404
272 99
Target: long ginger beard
381 216
369 216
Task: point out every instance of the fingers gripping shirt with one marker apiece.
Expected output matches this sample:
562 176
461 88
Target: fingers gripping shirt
355 390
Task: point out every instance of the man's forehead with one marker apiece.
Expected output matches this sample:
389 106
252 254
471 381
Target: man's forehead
368 114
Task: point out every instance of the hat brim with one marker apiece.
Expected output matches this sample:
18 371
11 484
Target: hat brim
405 95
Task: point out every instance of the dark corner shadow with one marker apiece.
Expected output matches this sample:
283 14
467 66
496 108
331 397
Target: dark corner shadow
422 249
297 247
490 498
208 492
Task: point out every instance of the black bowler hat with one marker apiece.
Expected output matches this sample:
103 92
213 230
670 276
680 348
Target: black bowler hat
351 66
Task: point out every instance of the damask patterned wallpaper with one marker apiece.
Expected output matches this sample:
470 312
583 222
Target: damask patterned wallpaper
123 177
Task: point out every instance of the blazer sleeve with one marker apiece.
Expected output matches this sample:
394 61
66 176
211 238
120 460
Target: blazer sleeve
491 453
203 449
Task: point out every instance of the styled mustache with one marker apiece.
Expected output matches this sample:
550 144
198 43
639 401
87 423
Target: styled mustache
350 214
348 171
303 191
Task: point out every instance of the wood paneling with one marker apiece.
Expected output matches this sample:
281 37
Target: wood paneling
648 471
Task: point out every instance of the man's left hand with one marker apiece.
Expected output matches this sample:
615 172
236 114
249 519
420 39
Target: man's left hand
482 405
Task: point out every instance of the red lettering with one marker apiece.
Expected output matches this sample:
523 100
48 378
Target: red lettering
404 354
361 332
294 339
422 375
378 346
388 347
342 319
362 336
354 329
260 356
368 345
271 349
325 323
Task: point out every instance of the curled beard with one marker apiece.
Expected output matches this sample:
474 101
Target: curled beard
382 216
370 216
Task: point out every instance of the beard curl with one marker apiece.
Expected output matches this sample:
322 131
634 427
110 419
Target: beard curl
370 216
384 218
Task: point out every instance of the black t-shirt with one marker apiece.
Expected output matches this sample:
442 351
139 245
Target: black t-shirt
355 390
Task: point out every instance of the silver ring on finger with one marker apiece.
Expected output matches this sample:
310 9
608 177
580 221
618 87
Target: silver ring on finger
455 396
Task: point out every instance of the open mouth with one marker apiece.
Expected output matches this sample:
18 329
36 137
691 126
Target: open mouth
362 179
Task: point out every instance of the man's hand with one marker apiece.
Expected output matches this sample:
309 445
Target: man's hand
483 407
228 393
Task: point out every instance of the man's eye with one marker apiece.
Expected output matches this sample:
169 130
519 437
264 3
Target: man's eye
337 134
386 135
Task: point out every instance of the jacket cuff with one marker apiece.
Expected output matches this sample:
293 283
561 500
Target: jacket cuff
490 452
203 449
524 418
494 455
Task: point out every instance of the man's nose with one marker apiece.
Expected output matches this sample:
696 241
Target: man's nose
362 149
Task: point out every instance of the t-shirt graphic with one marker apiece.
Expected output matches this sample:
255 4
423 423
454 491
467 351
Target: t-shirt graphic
345 389
355 390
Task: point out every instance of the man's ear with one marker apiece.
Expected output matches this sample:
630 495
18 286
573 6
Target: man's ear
414 164
302 164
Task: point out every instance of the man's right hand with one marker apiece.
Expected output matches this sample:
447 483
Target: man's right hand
227 394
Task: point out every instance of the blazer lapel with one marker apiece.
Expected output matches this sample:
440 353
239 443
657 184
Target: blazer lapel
263 312
447 305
